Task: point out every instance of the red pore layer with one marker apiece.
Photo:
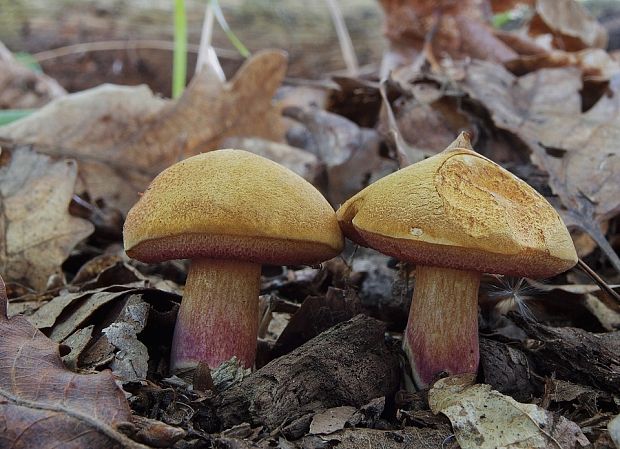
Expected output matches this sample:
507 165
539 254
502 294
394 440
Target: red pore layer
257 249
526 263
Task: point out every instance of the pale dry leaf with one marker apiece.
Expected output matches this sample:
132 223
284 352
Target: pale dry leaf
572 27
77 342
614 430
304 163
331 420
483 418
131 358
22 88
44 405
128 135
37 232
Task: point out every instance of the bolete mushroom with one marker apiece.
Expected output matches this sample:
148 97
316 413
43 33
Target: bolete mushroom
229 211
455 215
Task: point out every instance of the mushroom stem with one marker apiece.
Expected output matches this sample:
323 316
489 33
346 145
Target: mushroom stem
218 318
442 330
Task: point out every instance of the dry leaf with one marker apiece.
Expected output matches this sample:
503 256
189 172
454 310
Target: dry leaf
570 24
457 29
486 419
46 316
304 163
21 88
131 358
43 405
351 153
595 64
578 150
37 231
614 430
331 420
128 135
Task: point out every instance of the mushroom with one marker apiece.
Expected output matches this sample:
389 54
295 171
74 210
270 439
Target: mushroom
229 211
455 215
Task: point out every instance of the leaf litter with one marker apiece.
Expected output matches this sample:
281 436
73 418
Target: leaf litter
541 101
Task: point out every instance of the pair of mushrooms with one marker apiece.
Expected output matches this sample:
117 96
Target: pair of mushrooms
455 215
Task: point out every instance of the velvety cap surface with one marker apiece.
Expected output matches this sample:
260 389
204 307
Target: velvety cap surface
460 210
232 204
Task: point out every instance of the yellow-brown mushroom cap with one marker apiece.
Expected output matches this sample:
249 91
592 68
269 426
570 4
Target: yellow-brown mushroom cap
232 204
460 210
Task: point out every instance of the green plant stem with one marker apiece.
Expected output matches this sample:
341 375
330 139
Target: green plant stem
221 20
179 64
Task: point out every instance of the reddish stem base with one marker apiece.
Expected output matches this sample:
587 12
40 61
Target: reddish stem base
442 330
218 318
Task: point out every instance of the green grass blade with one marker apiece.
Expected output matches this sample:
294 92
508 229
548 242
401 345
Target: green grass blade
179 63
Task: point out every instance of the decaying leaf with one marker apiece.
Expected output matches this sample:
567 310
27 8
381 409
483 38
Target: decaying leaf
485 419
129 135
37 232
44 405
578 150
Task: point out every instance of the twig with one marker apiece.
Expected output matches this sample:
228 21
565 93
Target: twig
344 39
144 44
597 279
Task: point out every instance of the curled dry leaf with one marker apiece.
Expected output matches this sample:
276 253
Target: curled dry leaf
21 88
571 26
37 232
44 405
485 419
578 150
129 135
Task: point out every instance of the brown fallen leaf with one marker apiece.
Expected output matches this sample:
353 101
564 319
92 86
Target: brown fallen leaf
571 26
44 405
596 64
578 150
21 88
37 232
129 135
444 27
350 153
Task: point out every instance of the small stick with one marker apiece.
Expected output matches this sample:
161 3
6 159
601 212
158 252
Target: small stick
206 54
344 39
596 278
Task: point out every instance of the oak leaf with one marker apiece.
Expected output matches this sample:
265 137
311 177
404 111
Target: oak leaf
44 405
36 231
128 135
